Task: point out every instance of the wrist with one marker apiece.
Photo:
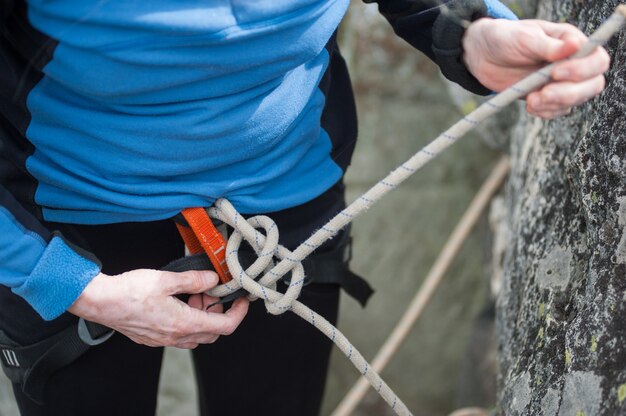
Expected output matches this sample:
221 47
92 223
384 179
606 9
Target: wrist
473 47
89 303
448 46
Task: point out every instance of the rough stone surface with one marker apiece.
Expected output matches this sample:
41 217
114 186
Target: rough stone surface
581 394
562 307
550 402
554 272
518 394
620 253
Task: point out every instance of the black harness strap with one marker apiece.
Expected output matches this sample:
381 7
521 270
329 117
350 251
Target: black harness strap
31 366
332 271
326 268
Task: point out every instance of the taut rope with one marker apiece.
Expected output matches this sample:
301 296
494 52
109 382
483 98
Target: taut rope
267 247
426 291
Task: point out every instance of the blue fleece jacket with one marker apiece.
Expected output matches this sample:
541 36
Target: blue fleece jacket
147 107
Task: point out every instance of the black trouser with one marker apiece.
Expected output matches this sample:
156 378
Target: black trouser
271 365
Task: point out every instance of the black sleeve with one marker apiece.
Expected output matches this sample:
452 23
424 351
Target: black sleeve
438 35
38 264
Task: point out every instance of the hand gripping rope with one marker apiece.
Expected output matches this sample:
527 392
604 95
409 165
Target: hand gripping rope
267 247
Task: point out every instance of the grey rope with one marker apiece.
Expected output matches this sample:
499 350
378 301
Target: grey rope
267 247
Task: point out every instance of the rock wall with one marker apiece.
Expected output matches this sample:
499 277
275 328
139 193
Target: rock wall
562 306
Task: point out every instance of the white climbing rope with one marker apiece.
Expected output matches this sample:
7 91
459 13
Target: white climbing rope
432 280
267 247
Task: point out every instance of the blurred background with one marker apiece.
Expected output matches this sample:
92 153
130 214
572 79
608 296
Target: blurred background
448 361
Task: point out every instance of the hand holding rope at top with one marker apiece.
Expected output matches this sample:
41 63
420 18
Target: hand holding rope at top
499 54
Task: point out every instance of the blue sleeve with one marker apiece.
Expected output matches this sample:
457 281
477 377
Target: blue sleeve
39 265
426 26
498 10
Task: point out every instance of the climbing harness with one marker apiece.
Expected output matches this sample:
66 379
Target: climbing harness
19 367
205 239
30 366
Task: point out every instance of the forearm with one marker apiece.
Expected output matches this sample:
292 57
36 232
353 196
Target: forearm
40 265
436 28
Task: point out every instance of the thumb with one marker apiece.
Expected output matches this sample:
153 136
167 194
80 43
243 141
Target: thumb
552 49
189 282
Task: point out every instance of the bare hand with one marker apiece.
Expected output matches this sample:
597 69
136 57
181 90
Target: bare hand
141 305
501 52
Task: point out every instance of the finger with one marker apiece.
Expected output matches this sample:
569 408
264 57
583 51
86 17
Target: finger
209 304
535 105
219 323
187 346
200 339
570 94
577 38
142 340
558 49
548 48
560 95
584 68
192 281
561 30
546 109
204 302
195 301
549 115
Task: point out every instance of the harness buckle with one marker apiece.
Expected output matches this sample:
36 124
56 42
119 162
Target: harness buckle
87 338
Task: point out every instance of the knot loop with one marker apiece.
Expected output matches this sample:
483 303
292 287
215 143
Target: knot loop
266 248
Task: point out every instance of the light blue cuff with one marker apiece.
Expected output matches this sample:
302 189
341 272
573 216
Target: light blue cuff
57 280
498 10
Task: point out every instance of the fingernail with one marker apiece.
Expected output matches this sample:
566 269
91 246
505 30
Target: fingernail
213 276
561 73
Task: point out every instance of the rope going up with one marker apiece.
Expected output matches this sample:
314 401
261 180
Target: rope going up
267 247
435 275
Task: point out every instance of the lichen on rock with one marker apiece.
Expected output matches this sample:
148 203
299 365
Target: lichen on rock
562 305
553 272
